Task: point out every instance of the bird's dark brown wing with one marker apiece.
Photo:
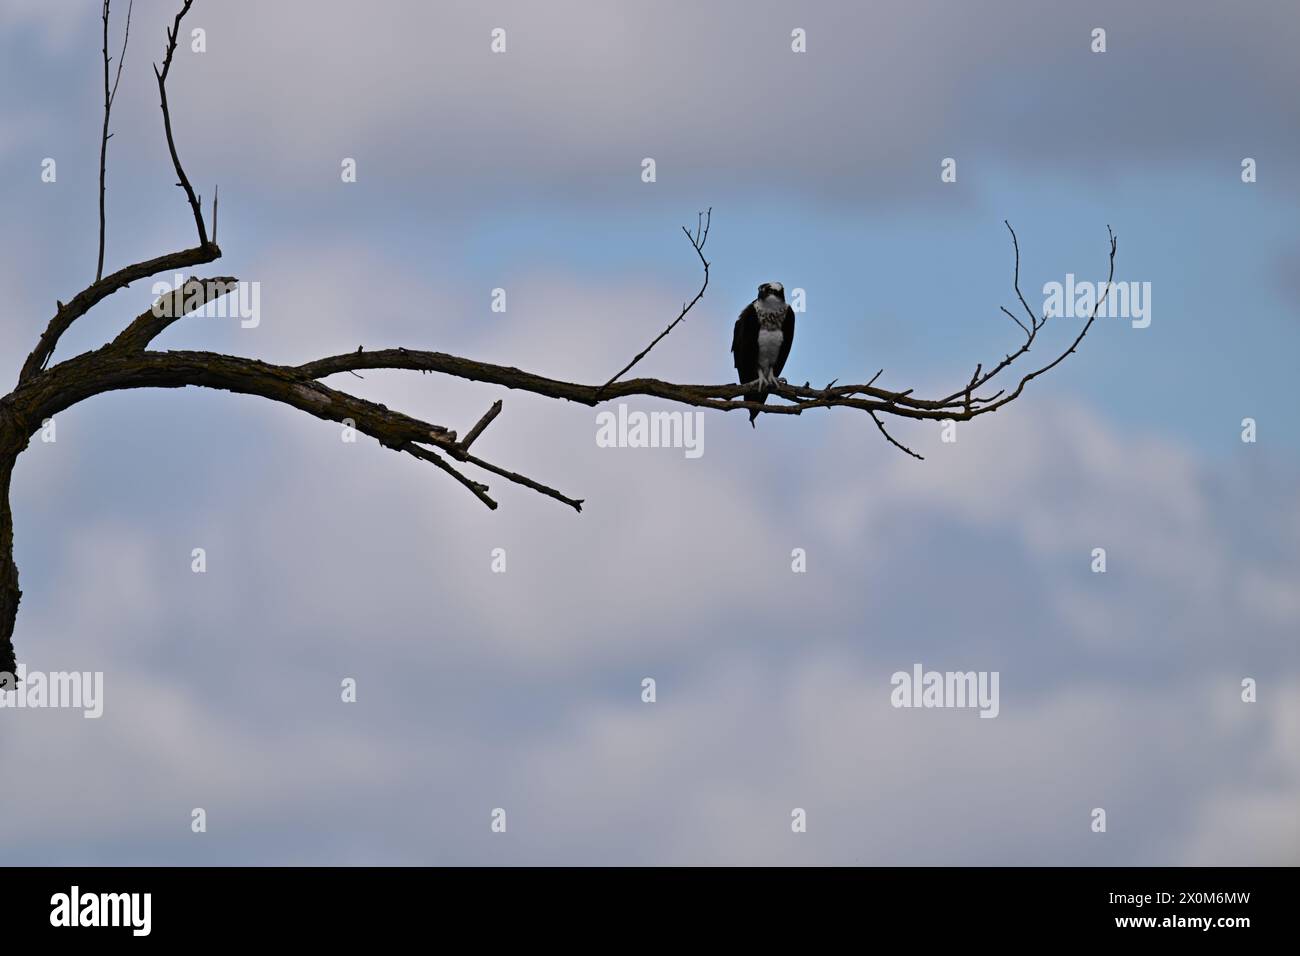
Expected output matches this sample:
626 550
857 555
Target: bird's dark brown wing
787 339
744 344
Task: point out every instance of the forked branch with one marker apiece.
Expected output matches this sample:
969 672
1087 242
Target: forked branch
92 295
962 405
127 363
206 251
697 239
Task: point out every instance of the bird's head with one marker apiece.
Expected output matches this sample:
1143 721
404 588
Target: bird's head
771 288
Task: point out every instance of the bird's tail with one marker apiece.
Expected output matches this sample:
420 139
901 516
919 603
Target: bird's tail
761 398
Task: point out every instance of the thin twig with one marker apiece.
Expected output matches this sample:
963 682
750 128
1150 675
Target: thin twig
480 490
184 182
110 94
1015 320
574 503
483 423
893 441
1031 333
1033 322
697 241
1077 339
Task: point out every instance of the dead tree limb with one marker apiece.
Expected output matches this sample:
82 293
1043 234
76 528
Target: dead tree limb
126 362
184 181
92 295
110 94
697 239
192 295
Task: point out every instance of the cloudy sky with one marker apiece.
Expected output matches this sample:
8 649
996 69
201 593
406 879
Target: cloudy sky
522 690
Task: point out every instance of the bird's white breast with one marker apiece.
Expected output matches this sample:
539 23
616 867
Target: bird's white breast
769 347
771 319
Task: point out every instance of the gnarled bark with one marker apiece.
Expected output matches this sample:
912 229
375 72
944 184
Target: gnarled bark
10 445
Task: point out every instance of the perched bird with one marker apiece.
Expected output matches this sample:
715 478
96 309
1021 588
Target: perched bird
761 342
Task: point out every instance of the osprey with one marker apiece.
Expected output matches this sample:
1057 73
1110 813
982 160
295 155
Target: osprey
762 339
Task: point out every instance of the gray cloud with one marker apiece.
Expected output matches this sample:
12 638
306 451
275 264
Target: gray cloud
522 690
410 89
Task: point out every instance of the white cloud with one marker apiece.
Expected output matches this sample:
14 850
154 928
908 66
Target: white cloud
523 689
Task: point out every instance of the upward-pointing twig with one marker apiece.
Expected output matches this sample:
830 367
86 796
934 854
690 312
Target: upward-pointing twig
110 94
697 240
184 182
483 423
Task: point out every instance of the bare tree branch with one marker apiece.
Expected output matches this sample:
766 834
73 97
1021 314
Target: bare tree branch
574 503
697 240
110 94
1015 320
890 438
127 363
95 293
1036 326
10 594
483 423
1015 244
480 490
113 369
184 181
961 405
191 296
93 373
1077 339
206 251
